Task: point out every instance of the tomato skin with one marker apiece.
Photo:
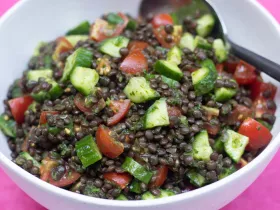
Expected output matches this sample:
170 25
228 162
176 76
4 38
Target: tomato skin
245 73
258 87
62 46
137 46
120 108
238 114
121 179
260 107
18 106
160 178
79 101
43 116
259 136
107 144
134 63
162 20
231 65
101 29
211 129
46 169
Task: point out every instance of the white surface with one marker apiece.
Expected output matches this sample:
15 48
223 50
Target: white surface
31 21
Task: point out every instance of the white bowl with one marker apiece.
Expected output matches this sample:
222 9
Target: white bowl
31 21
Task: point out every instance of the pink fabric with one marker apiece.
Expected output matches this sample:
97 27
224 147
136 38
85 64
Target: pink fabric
263 194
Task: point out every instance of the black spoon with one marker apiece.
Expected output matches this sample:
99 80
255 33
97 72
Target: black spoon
189 7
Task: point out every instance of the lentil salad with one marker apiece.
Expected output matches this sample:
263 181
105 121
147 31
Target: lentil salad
137 109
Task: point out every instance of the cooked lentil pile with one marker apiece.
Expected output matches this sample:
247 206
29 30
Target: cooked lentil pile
130 110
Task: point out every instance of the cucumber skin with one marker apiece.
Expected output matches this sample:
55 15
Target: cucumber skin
55 92
220 50
207 83
8 127
80 58
82 29
196 179
203 29
161 67
224 94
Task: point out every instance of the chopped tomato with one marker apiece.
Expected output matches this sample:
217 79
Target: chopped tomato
238 114
162 20
161 36
101 29
120 179
242 163
160 177
259 135
260 107
134 63
120 108
62 46
46 168
174 111
137 46
18 106
212 129
43 116
262 89
80 102
230 65
107 143
245 73
220 68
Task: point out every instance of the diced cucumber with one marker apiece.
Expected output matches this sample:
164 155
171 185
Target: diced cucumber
174 55
219 145
27 156
87 151
135 186
112 46
8 126
235 145
163 194
226 172
138 90
196 179
224 94
211 111
204 78
205 25
168 69
121 197
84 79
132 25
156 115
170 82
114 19
137 170
187 41
34 75
220 50
201 147
74 39
36 51
81 57
81 29
202 43
48 61
54 93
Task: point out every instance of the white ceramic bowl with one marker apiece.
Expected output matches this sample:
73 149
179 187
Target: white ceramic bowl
31 21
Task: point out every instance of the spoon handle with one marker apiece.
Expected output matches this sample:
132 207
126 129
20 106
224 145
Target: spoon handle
261 63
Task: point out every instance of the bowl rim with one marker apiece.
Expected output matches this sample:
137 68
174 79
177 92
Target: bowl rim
274 145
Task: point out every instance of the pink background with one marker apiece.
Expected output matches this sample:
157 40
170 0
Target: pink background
263 194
